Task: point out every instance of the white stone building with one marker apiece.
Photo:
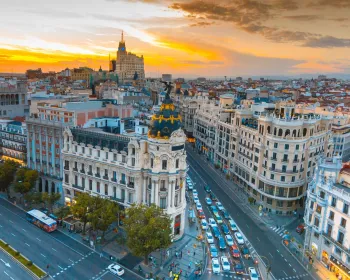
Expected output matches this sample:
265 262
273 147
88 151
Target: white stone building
327 216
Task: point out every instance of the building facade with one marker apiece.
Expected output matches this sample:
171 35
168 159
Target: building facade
129 67
327 219
82 74
130 168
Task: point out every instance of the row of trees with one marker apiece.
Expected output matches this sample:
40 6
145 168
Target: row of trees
47 199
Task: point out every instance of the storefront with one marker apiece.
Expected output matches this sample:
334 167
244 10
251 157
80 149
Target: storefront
314 249
339 269
177 225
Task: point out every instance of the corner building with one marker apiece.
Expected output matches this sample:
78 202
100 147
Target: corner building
130 168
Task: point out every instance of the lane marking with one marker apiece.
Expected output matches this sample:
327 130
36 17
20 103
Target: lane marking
24 230
27 244
11 222
43 255
271 255
247 225
258 239
60 267
6 273
284 272
294 270
71 260
54 249
38 239
13 234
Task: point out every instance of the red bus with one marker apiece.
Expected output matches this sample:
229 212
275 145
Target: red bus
41 220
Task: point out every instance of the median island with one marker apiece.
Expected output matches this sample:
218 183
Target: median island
27 264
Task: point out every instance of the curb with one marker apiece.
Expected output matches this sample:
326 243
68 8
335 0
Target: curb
313 277
32 274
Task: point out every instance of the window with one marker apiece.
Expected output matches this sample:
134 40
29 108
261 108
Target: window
106 189
334 202
114 176
123 159
162 203
132 161
83 183
331 215
316 222
285 157
76 180
76 148
97 171
286 146
289 203
83 150
90 185
293 179
283 178
279 203
164 164
90 169
346 208
177 163
297 147
269 201
98 153
131 198
343 222
106 155
284 168
274 155
322 195
98 187
329 230
90 151
340 237
275 145
337 251
152 161
318 209
272 176
66 178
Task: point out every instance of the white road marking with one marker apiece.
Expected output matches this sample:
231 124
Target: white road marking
286 260
258 239
54 249
27 244
294 270
24 230
38 239
278 251
11 222
247 225
6 273
290 265
284 272
60 267
13 234
0 225
270 255
43 255
12 278
71 260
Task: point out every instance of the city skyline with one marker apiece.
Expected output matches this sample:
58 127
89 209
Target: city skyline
275 37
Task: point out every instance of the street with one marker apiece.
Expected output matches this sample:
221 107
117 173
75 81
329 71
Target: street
266 242
58 254
10 269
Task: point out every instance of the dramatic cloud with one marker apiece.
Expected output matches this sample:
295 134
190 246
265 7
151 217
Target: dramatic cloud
331 3
304 17
201 24
327 42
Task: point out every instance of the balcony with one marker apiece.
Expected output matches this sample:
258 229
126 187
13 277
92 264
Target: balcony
90 173
163 191
273 158
340 245
66 167
77 187
82 171
123 182
114 179
285 160
75 169
149 186
105 177
295 160
302 169
98 175
131 185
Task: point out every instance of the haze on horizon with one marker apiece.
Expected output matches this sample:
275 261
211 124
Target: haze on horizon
182 37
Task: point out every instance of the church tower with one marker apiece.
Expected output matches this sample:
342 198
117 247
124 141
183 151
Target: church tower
121 48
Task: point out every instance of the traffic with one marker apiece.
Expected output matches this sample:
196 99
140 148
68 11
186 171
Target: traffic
226 245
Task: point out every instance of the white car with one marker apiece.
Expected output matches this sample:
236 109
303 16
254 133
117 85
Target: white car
232 225
212 222
253 274
208 201
189 186
196 199
204 224
194 192
229 240
199 206
215 265
225 264
239 238
219 206
116 269
210 237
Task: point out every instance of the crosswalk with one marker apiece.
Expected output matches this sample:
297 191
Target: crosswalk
279 230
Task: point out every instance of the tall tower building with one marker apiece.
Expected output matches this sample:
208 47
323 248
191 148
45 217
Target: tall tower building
129 66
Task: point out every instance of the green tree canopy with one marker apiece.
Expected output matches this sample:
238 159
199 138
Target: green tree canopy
50 199
7 175
147 228
80 209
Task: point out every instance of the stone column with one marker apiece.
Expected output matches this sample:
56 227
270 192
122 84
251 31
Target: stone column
144 190
152 190
156 192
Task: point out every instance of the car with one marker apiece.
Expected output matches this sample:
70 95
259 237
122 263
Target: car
235 251
219 206
222 211
212 222
232 225
245 252
210 237
225 264
196 199
216 232
239 238
204 224
189 185
215 265
225 229
229 240
226 215
222 244
200 214
300 229
213 197
239 268
214 209
199 206
116 269
194 192
253 274
207 189
208 201
213 251
218 219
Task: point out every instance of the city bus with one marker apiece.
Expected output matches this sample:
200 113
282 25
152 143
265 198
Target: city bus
41 220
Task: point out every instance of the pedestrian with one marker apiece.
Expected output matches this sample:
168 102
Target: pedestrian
189 265
101 255
176 254
171 273
197 228
188 252
194 253
172 264
180 271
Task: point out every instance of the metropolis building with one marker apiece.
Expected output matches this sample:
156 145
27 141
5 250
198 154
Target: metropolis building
131 167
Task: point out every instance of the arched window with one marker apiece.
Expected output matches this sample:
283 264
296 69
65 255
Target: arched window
52 187
294 133
275 131
269 130
280 132
287 132
304 132
46 186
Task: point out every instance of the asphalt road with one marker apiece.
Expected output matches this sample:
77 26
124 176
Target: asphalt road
263 239
67 258
10 270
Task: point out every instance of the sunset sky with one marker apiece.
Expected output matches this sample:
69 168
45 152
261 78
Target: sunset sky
184 37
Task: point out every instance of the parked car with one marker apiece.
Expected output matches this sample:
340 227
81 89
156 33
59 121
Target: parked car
300 229
226 215
210 237
232 225
212 222
222 244
116 269
235 251
207 189
218 219
194 192
239 238
239 268
208 201
219 205
225 264
215 265
214 209
225 229
213 251
200 214
204 224
229 240
245 252
253 274
196 199
189 186
213 197
199 206
216 232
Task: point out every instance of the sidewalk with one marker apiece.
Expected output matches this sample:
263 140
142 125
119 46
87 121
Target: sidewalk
268 218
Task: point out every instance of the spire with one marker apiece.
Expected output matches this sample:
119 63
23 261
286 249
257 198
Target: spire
122 36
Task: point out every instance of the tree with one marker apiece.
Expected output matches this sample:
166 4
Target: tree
147 228
7 175
80 209
63 212
33 198
108 215
50 199
25 180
